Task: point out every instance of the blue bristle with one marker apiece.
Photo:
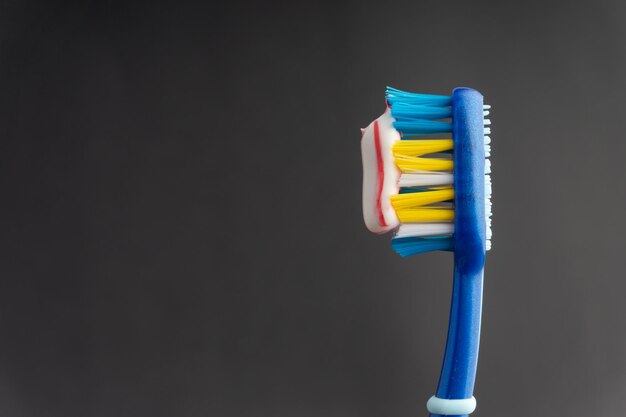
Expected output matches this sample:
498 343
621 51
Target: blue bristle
407 190
425 101
395 95
411 112
407 246
414 113
421 127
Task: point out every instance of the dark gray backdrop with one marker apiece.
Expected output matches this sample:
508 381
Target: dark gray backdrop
181 221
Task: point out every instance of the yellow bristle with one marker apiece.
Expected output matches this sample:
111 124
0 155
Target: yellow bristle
411 156
407 155
421 147
412 163
414 215
409 200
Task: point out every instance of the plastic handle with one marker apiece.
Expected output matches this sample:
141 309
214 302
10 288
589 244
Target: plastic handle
458 372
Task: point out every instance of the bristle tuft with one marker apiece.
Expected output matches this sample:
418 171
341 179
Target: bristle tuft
488 187
424 156
426 166
408 246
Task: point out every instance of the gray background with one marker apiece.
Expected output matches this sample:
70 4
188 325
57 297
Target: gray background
181 221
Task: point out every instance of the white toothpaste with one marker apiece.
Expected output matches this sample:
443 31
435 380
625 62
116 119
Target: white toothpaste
380 174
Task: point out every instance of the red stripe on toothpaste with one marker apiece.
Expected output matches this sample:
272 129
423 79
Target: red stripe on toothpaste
381 175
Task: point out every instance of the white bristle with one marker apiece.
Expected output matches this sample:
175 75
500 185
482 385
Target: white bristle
424 229
425 179
488 187
486 106
486 113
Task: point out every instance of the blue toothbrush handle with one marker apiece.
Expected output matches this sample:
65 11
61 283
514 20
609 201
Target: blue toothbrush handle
458 372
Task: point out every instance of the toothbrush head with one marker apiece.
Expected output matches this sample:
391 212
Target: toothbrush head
425 175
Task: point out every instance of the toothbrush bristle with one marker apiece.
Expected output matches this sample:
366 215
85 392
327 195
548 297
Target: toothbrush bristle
487 140
425 202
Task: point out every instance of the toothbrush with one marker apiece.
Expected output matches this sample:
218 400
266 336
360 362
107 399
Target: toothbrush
434 191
